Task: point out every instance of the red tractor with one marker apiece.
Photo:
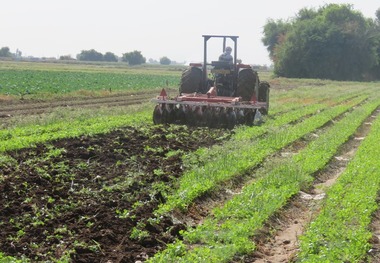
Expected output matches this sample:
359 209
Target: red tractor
233 95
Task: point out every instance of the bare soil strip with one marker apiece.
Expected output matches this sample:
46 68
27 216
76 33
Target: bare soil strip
31 107
278 241
374 252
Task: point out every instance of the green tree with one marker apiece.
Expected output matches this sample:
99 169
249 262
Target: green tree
66 57
375 71
333 42
165 61
274 35
4 52
110 57
134 58
90 55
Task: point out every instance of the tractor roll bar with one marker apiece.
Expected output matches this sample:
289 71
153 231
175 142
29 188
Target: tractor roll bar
206 38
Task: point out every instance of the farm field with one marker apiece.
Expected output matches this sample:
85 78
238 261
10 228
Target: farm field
86 177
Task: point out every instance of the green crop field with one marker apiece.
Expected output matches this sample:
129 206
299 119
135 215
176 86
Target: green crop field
85 177
28 81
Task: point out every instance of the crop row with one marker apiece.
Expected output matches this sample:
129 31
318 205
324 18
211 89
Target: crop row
229 230
282 102
341 232
17 138
237 157
297 113
296 107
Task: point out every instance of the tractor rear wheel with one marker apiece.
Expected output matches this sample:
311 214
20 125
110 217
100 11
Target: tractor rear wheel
191 80
264 95
247 79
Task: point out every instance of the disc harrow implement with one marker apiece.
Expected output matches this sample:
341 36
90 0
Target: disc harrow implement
206 110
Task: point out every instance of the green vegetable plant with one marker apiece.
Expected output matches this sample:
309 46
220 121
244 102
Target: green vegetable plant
229 230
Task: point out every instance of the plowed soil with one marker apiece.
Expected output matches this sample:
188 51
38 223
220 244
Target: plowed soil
91 199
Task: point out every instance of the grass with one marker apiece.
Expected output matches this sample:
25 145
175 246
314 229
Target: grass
29 135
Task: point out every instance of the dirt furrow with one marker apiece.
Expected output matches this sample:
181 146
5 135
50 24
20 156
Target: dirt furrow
10 109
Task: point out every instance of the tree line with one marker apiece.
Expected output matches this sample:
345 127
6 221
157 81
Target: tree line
132 58
332 42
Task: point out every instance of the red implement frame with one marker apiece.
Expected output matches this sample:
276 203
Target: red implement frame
198 99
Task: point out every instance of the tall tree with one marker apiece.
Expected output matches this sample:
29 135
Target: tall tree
274 35
90 55
4 52
165 61
134 58
333 42
110 57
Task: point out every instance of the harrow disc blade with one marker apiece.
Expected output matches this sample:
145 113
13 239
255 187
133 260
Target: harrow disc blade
223 118
181 115
172 114
249 117
157 114
231 119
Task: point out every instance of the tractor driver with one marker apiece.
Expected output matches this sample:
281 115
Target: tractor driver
226 56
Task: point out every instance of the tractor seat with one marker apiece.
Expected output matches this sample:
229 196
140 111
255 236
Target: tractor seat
221 64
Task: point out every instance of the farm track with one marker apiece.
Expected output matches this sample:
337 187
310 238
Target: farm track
278 240
17 108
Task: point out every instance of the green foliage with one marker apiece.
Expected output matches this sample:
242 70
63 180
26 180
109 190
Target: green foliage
110 57
333 42
165 61
134 58
274 35
31 135
244 154
6 259
4 52
65 57
31 82
340 232
90 55
230 228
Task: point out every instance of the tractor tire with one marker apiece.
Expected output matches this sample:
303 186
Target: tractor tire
263 91
264 95
191 80
247 79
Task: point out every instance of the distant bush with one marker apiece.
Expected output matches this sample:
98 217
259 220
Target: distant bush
165 61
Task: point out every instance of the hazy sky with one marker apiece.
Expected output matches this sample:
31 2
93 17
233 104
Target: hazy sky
157 28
